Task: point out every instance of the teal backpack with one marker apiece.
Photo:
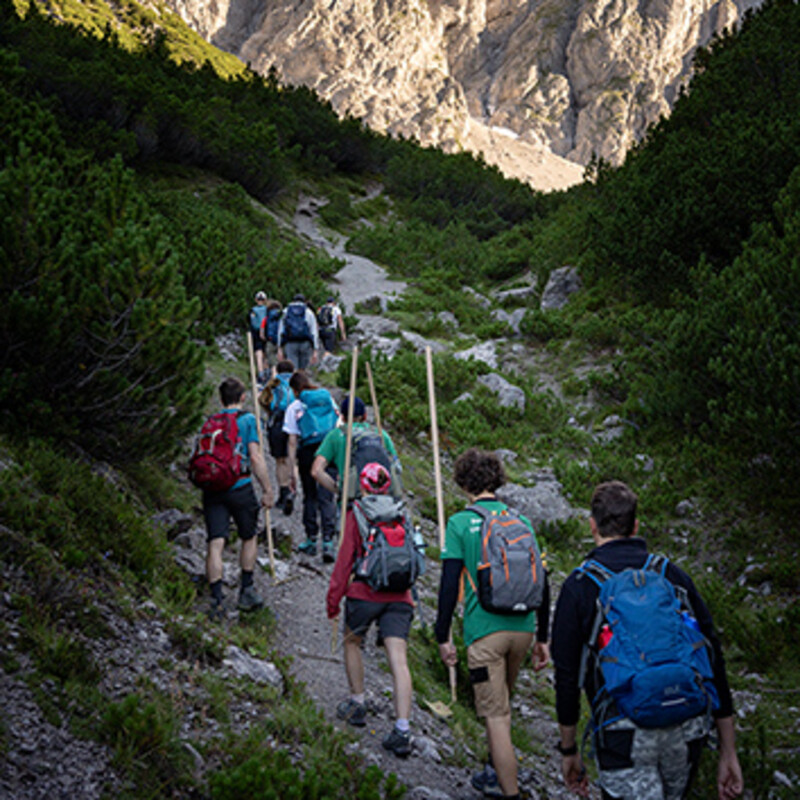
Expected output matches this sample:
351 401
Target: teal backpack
319 415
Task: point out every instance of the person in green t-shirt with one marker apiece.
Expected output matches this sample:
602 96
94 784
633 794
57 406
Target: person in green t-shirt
497 644
332 451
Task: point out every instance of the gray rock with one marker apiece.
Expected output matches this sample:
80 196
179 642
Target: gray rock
376 326
482 301
174 522
506 456
464 398
426 793
426 748
485 352
541 503
330 362
521 293
685 508
420 343
562 283
449 319
229 346
246 666
513 318
508 396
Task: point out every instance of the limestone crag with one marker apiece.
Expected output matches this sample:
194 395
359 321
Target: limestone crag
536 86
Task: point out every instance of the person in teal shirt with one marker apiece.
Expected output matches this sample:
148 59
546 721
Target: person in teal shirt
497 644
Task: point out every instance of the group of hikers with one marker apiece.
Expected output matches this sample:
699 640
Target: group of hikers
630 629
298 332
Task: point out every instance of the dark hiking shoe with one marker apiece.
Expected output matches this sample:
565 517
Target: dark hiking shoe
250 599
352 712
309 547
288 504
486 782
216 611
398 743
328 554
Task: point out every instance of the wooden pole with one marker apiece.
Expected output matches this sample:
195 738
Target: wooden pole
437 477
349 445
374 398
267 521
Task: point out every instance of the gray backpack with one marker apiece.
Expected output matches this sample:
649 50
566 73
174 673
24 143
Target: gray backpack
510 574
391 561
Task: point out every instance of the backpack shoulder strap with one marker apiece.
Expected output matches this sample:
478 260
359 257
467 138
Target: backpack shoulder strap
656 562
482 512
594 570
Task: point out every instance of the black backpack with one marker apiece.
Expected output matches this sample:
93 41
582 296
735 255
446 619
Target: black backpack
325 316
367 448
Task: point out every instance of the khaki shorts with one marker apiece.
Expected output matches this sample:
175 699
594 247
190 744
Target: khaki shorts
271 353
494 662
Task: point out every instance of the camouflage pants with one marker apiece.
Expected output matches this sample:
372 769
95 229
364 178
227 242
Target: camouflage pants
649 764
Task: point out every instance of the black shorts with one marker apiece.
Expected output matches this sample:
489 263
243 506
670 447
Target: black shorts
394 619
328 338
278 441
258 342
241 504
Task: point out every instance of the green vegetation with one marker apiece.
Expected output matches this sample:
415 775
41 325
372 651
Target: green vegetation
142 172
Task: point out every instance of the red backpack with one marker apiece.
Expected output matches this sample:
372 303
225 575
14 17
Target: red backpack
215 464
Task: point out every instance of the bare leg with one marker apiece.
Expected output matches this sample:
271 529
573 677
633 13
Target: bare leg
247 556
498 732
396 650
214 560
353 662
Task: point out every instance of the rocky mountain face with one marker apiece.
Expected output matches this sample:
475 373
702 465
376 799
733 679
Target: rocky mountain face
537 86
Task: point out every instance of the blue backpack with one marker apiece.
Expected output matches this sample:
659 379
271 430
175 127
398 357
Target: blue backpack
295 326
273 321
282 395
319 415
257 314
654 663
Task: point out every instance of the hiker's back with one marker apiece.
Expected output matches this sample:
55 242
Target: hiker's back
295 324
391 559
652 661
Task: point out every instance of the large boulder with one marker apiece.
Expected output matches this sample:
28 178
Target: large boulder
562 283
541 503
508 395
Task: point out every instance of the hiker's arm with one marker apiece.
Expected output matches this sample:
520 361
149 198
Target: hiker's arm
448 598
543 613
341 326
572 765
730 782
322 477
343 568
259 468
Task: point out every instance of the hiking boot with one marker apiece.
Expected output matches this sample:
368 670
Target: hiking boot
354 713
216 611
250 599
398 742
288 503
328 554
486 782
309 547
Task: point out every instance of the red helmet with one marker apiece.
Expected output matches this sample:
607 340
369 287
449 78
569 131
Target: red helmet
375 478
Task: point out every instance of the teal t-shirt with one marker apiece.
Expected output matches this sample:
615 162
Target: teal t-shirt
248 432
462 541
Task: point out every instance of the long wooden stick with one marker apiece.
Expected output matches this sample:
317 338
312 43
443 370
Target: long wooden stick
374 398
437 477
349 445
267 522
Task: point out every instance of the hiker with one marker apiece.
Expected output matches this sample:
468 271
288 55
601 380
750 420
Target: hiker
366 447
308 419
330 321
238 502
258 314
392 611
298 336
275 399
658 757
497 643
269 333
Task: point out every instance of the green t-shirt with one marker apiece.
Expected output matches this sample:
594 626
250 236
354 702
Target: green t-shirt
334 446
462 540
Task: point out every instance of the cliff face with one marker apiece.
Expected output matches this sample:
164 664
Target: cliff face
537 86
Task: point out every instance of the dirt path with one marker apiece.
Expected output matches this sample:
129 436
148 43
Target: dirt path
360 278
